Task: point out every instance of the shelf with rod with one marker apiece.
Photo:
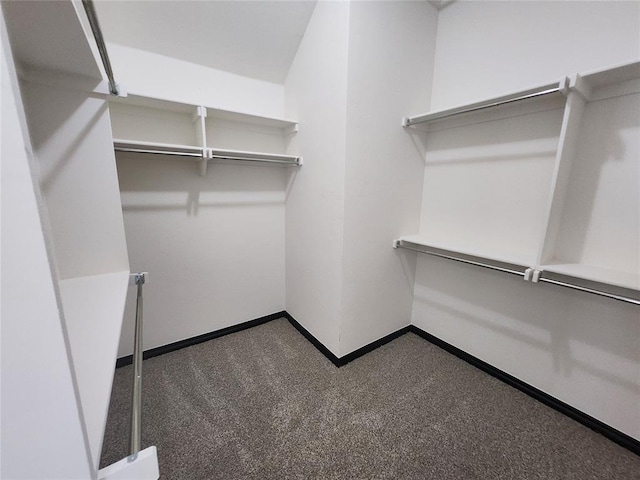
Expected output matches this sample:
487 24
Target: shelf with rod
131 146
549 89
421 245
246 156
154 126
593 220
203 155
625 287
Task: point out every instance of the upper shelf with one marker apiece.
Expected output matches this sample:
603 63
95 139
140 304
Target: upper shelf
556 88
216 113
598 84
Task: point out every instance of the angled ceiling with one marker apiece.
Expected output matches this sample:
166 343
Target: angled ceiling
256 39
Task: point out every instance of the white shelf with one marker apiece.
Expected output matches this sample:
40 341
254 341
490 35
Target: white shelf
596 274
614 81
495 256
93 308
157 126
519 96
213 112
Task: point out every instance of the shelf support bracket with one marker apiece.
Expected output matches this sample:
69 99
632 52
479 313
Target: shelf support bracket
536 276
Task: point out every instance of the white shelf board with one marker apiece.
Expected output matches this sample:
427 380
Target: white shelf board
596 274
93 308
468 108
492 256
615 74
156 103
251 119
212 112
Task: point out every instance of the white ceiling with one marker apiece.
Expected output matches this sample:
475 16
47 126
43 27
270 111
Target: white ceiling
256 39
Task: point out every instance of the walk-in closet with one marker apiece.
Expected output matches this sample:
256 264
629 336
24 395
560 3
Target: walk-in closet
320 239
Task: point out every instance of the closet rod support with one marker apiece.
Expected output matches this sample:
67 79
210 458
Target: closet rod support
102 48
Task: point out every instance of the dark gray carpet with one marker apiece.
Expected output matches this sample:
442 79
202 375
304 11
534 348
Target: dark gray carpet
265 404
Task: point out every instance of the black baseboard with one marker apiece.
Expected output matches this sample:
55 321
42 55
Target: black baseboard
611 433
314 341
341 361
187 342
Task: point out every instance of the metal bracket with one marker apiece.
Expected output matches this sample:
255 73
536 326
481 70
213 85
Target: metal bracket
140 277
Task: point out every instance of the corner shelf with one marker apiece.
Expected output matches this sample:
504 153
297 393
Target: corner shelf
593 227
146 125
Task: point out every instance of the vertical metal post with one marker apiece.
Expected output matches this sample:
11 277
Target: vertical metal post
136 410
102 48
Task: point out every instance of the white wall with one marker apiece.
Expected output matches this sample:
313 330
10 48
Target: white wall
487 48
154 75
582 349
316 95
213 245
38 396
391 49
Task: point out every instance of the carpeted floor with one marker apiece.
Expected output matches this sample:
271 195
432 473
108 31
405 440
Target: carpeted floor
265 404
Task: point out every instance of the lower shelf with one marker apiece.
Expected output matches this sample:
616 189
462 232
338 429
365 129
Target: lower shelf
596 274
617 285
93 307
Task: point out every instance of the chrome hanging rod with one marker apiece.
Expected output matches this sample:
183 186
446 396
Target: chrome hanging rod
474 107
102 48
620 298
158 152
401 244
135 440
293 161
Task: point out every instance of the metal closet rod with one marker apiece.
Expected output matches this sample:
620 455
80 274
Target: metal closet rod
573 286
463 260
102 48
430 117
214 156
176 153
293 161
